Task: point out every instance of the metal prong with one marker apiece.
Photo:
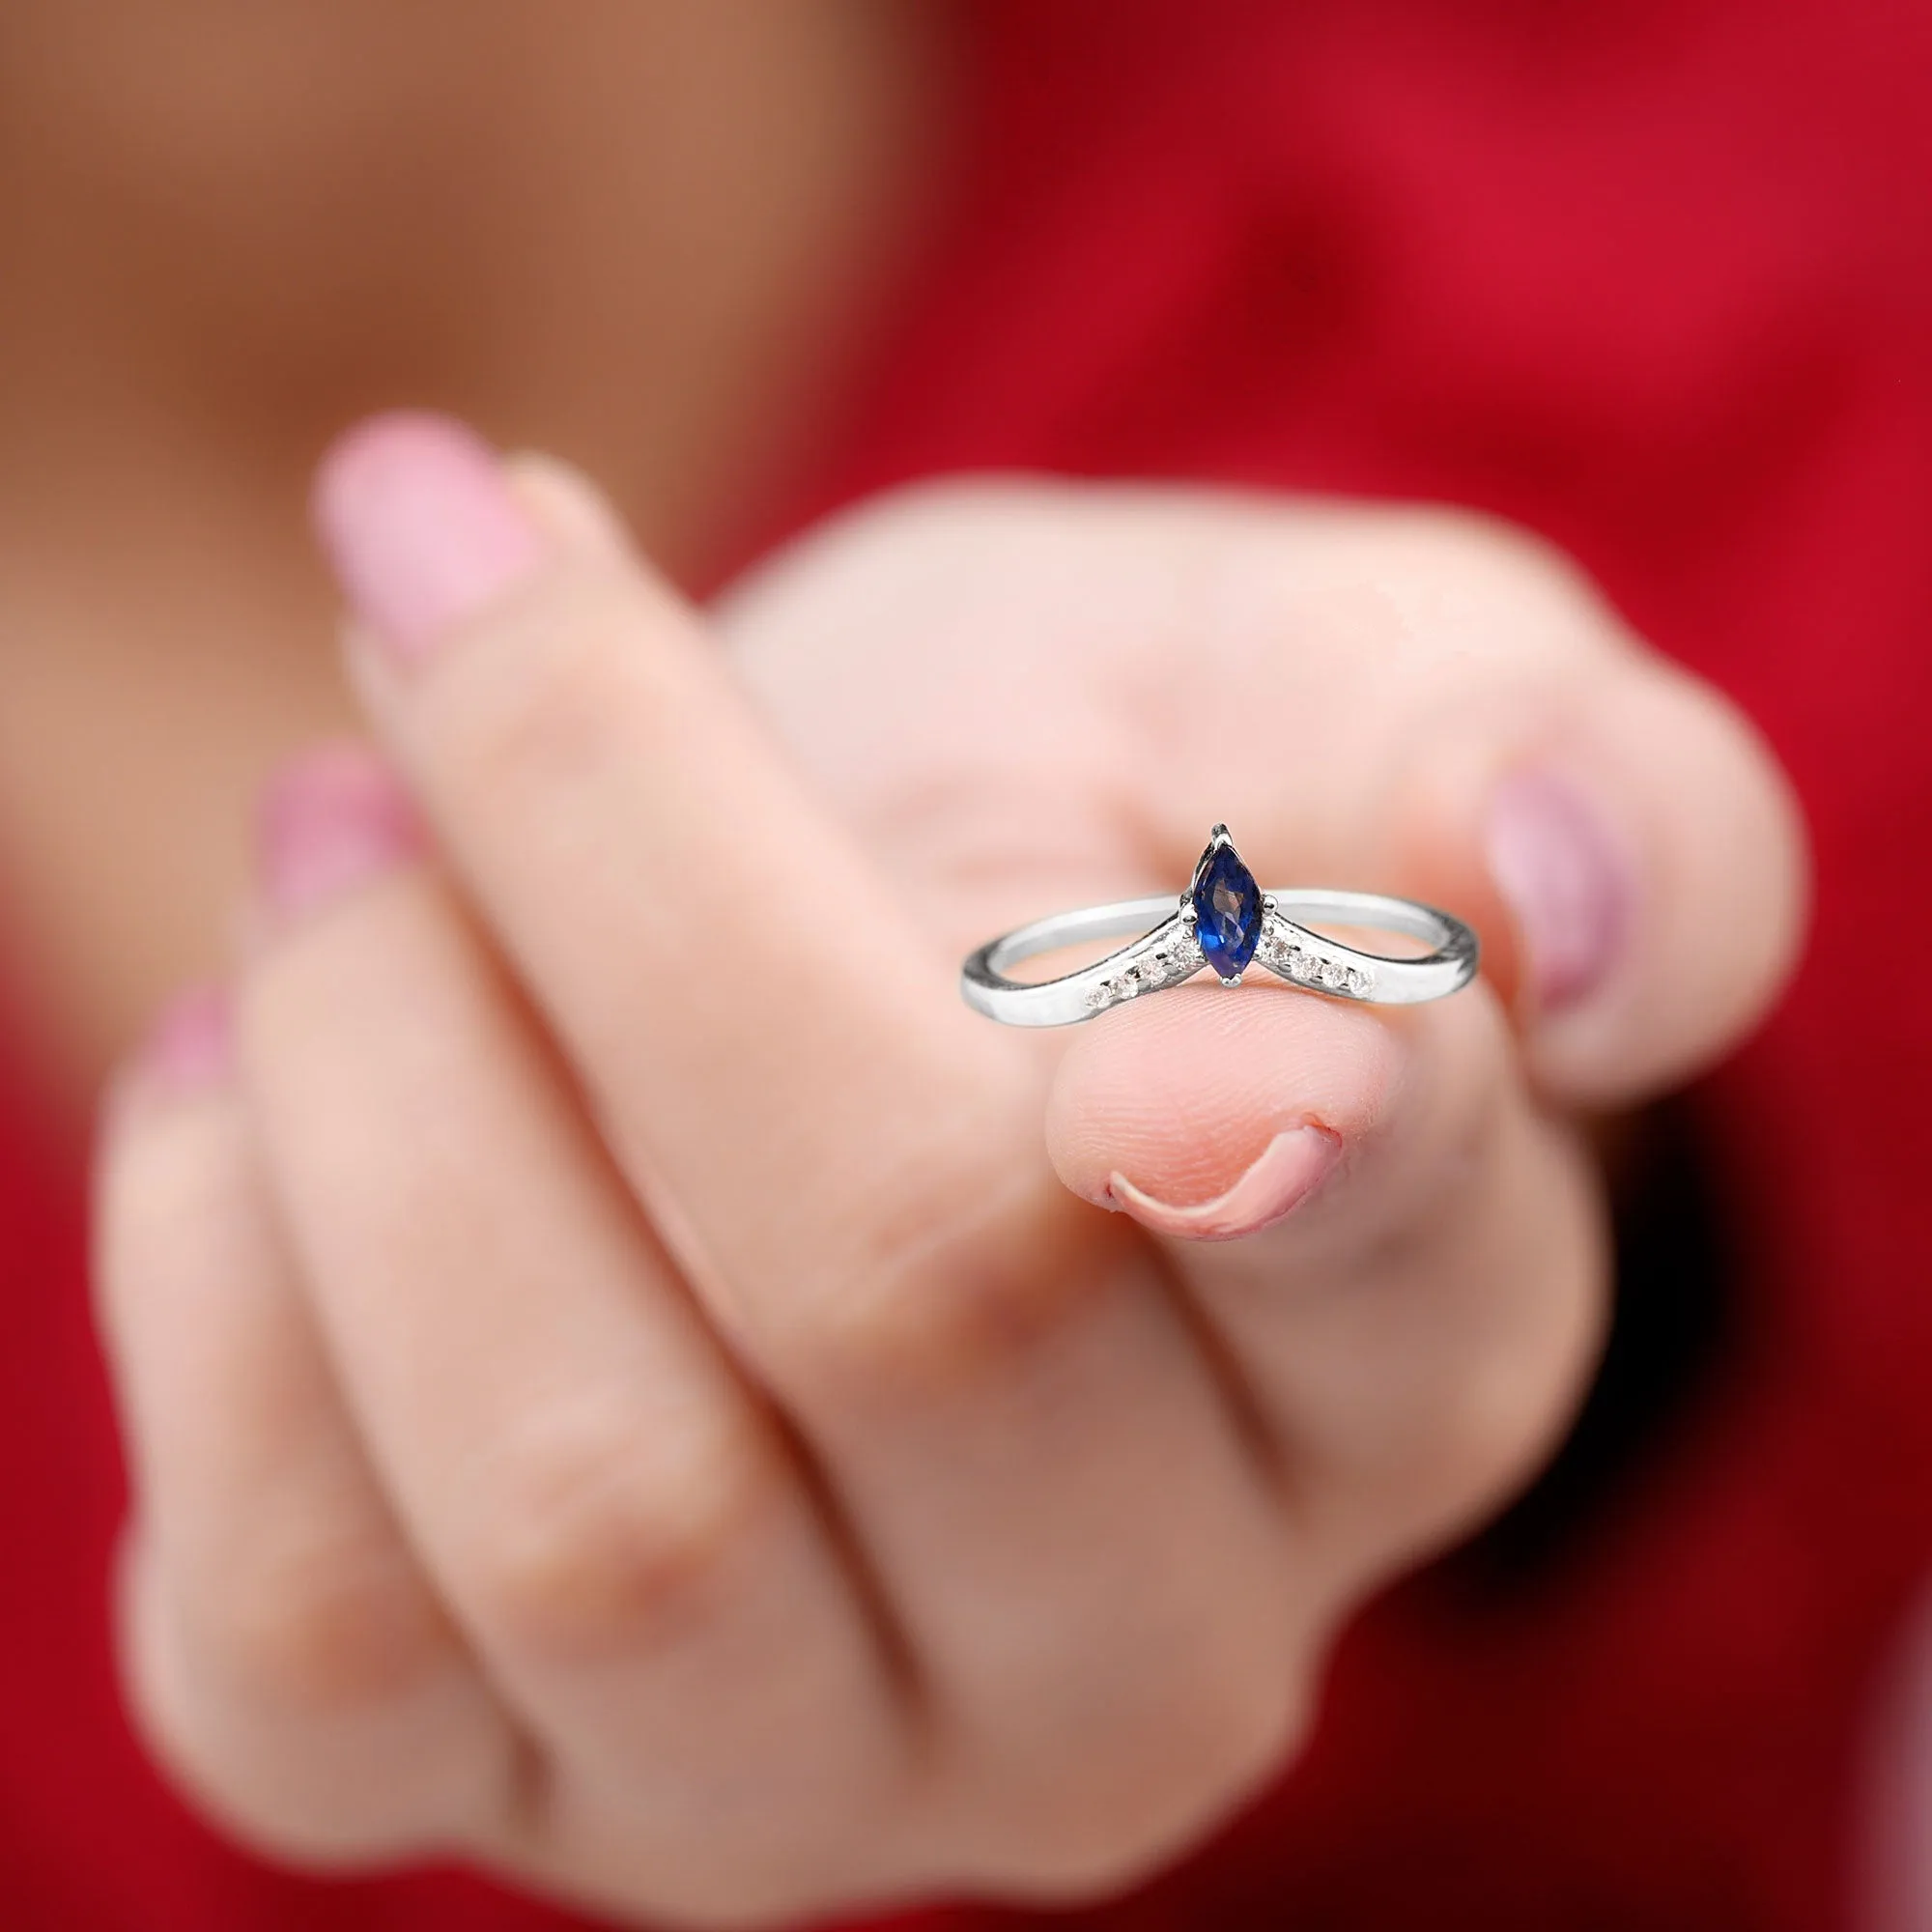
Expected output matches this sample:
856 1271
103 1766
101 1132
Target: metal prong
1234 981
1267 902
1187 912
1219 837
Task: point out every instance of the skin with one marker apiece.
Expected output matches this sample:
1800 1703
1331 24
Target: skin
687 1433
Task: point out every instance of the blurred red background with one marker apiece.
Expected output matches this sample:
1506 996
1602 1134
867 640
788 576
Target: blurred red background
1655 279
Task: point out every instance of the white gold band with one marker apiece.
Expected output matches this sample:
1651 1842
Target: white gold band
1171 952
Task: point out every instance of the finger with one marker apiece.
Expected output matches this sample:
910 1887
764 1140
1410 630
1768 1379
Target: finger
615 1520
582 752
1402 1254
847 1160
288 1655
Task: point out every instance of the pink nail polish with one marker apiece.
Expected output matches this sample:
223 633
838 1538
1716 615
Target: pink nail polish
1566 878
190 1048
1286 1172
328 822
420 526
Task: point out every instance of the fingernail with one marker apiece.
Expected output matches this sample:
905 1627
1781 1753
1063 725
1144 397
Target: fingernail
189 1048
327 822
1566 878
1287 1172
421 527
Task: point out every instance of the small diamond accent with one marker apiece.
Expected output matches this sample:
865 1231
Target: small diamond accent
1288 955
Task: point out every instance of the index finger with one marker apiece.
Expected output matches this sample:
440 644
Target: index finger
664 885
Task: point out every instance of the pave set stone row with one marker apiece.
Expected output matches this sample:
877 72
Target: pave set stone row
1171 953
1281 948
1166 956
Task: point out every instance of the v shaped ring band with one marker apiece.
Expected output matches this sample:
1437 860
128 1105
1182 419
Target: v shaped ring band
1224 922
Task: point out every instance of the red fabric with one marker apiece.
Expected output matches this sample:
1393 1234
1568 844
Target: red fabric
1656 279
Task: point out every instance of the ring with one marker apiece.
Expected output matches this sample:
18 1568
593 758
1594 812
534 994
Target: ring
1224 921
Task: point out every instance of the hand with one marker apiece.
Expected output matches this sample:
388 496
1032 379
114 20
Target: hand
629 1381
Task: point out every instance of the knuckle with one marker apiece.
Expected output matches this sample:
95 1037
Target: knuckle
602 1543
260 1775
322 1623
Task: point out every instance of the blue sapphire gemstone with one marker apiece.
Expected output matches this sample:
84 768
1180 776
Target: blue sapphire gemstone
1226 907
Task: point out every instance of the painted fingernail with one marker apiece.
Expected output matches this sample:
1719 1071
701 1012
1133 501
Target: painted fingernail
327 822
189 1048
421 527
1566 878
1287 1172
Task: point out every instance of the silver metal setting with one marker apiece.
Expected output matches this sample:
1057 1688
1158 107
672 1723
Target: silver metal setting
1169 953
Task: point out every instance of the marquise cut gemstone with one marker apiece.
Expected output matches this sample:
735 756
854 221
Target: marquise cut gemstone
1227 909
